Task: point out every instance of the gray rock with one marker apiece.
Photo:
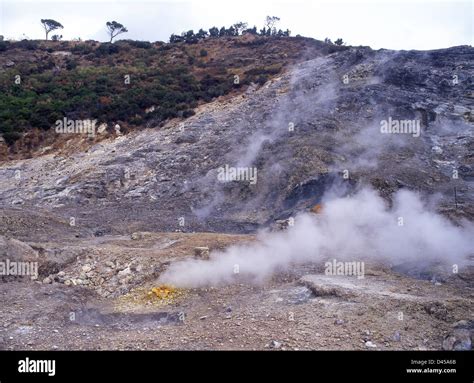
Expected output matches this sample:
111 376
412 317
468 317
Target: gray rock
201 253
124 273
396 337
140 235
458 340
464 324
275 344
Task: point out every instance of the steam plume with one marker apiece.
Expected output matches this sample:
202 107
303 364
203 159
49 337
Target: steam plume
355 228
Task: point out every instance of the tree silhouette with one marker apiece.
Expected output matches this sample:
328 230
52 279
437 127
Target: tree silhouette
50 25
240 27
252 31
214 32
115 29
270 23
202 34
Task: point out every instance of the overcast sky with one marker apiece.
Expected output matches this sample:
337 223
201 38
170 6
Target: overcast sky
402 24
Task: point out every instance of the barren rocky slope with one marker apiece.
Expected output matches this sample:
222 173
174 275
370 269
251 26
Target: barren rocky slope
303 131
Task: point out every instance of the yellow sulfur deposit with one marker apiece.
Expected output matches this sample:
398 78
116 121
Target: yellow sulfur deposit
163 292
156 297
317 209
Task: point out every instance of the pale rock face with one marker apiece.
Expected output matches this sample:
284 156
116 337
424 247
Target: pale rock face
62 53
301 132
16 250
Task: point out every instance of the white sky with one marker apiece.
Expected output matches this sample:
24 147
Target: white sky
402 24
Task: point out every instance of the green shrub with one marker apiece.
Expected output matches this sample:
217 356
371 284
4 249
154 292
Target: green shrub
4 45
269 70
262 79
82 49
71 64
107 49
188 113
140 44
30 45
11 137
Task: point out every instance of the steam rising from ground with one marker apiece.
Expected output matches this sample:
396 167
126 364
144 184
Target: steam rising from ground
357 228
303 102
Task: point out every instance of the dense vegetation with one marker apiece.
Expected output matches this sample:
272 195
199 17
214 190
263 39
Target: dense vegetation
100 93
44 93
135 82
235 30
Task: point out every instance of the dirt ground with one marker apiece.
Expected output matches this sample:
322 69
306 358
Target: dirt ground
100 299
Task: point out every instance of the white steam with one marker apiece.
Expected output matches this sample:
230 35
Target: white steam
356 228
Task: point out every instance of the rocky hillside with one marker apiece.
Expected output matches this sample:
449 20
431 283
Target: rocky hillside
186 161
132 83
312 127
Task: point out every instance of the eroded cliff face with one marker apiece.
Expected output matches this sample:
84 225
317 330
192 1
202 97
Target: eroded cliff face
390 119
